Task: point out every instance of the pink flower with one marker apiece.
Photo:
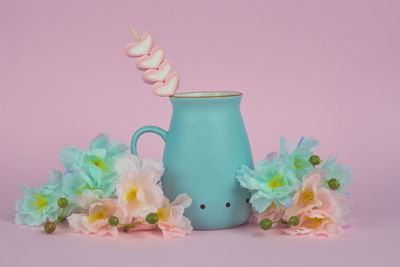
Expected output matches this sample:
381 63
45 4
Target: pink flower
94 216
170 217
317 223
319 209
137 191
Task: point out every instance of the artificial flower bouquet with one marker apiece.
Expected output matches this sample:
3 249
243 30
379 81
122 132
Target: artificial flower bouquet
299 191
104 190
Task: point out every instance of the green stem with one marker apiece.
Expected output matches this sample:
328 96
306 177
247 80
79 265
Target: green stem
130 224
61 217
280 221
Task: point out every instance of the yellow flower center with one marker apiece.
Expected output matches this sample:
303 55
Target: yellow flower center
85 187
98 215
276 181
163 214
99 163
40 202
299 163
313 222
273 206
131 194
306 197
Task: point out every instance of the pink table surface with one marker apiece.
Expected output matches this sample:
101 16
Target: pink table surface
327 69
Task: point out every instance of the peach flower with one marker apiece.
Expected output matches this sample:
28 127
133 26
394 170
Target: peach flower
319 209
170 217
94 216
138 190
317 223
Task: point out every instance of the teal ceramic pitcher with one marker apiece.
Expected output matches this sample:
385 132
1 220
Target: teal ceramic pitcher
205 146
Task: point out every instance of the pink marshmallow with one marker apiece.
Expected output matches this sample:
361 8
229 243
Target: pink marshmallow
143 47
160 74
168 87
151 61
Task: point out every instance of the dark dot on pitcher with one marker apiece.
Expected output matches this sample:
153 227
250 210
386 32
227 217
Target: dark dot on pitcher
247 200
202 206
228 204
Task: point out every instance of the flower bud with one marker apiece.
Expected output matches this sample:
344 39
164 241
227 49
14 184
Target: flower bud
152 218
314 160
294 221
334 183
266 224
113 220
49 227
62 202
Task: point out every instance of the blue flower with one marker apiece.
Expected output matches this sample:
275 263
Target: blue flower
102 154
39 204
272 181
338 171
92 169
76 183
299 155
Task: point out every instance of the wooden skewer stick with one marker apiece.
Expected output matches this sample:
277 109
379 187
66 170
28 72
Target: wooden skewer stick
135 34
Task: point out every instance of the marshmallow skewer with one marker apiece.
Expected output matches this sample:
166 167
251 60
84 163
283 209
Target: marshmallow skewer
133 31
157 69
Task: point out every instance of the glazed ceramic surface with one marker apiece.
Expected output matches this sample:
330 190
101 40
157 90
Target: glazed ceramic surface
205 145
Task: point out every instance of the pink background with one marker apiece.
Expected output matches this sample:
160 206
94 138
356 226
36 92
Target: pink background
327 69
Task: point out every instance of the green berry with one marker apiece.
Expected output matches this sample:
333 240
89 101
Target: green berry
314 160
266 224
152 218
334 183
294 221
49 227
113 220
62 202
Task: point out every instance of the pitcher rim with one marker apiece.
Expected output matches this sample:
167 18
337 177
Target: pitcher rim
207 94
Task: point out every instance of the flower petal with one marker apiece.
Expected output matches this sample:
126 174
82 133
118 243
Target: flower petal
260 201
308 143
100 141
67 157
115 147
247 178
127 163
183 200
153 164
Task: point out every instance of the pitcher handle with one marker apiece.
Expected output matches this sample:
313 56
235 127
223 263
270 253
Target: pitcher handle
146 129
